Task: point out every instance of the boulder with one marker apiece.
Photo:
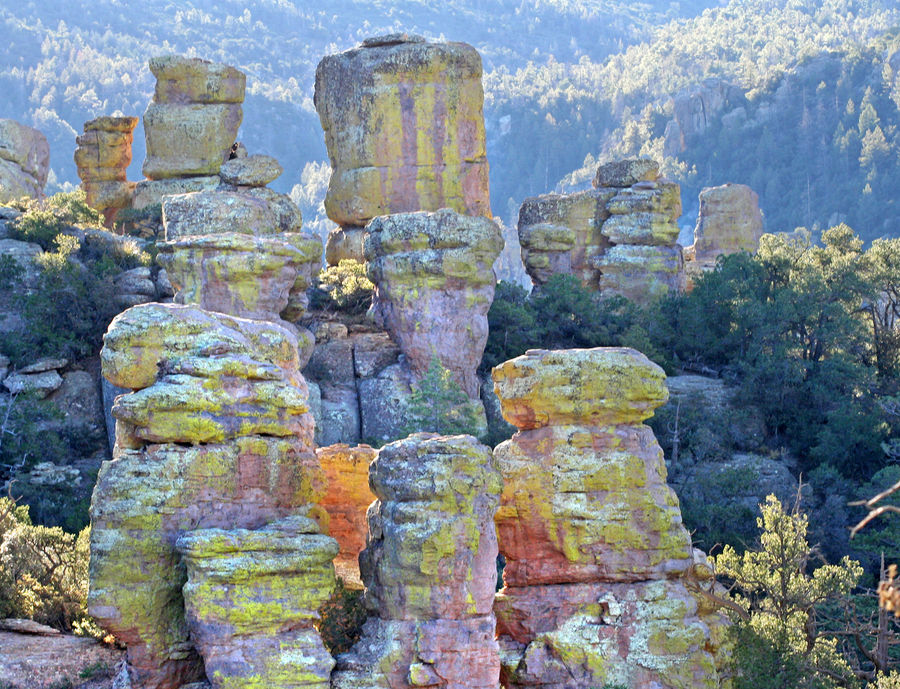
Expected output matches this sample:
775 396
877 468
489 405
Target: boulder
434 284
252 171
625 173
345 243
216 212
40 384
252 598
641 273
404 129
287 214
192 80
23 253
150 192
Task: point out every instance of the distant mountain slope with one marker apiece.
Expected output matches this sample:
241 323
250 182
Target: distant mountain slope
65 62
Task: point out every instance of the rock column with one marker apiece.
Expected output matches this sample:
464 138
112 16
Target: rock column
429 569
596 554
102 157
404 127
434 283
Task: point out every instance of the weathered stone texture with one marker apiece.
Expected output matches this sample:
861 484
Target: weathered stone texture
193 120
216 212
24 161
434 283
592 535
102 158
429 568
404 128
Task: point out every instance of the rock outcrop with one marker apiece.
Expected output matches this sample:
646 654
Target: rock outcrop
694 110
729 222
618 238
429 569
216 435
252 599
24 161
102 158
193 119
404 128
434 284
597 560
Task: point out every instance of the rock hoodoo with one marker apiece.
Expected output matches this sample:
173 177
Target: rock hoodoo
730 221
24 161
592 535
618 238
429 569
404 128
434 283
102 158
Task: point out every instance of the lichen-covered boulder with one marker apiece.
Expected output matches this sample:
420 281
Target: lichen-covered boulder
429 569
150 192
641 273
625 173
145 499
644 214
434 283
193 120
24 161
404 128
102 158
596 553
560 233
347 499
240 274
729 222
252 599
216 212
252 171
345 243
142 338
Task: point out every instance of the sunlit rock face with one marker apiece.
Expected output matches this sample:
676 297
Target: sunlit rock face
596 553
102 157
618 238
193 119
404 128
429 569
729 222
434 283
24 161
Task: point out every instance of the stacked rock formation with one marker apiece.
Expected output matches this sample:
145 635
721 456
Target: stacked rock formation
404 128
102 158
596 553
429 569
24 161
190 126
216 434
729 222
434 283
618 238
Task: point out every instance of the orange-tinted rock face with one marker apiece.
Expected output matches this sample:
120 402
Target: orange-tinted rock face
591 533
404 129
347 498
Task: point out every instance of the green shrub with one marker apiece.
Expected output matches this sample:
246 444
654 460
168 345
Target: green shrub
342 618
439 405
44 220
344 287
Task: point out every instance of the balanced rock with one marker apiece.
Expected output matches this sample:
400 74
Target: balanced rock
429 568
592 535
252 598
193 120
729 222
24 161
251 171
102 158
404 128
216 212
625 173
347 499
434 283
